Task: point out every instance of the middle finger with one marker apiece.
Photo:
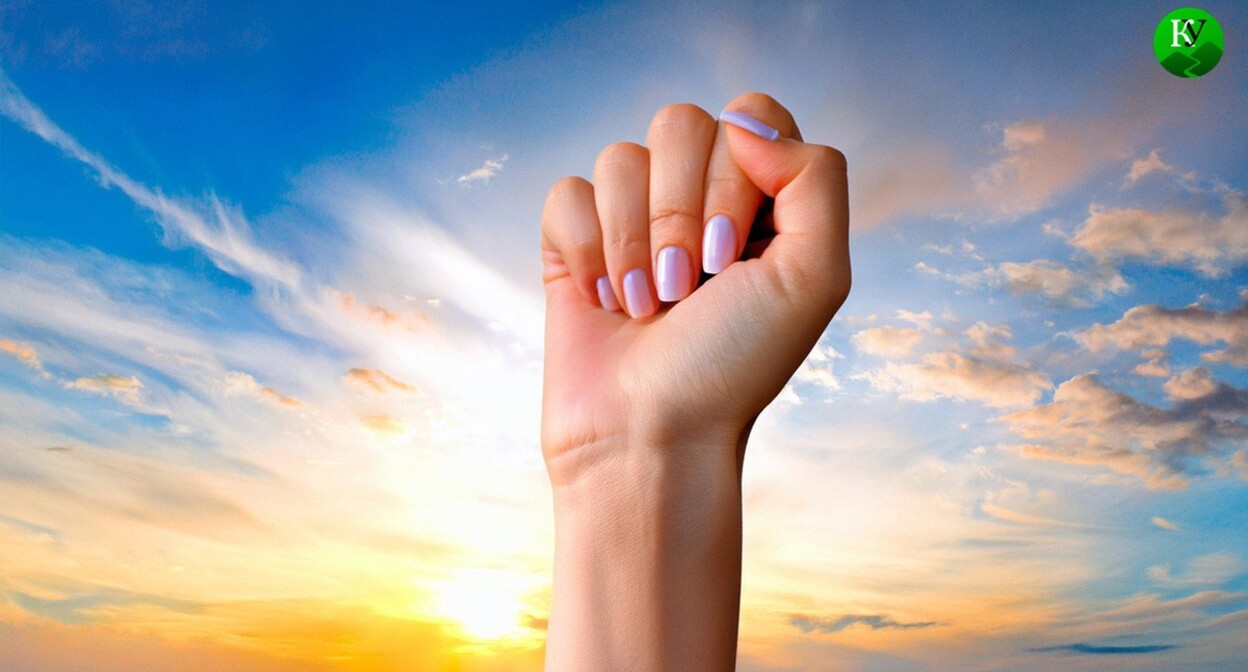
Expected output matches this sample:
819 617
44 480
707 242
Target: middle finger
679 140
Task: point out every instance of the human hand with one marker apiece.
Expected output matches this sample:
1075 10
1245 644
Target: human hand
646 409
702 367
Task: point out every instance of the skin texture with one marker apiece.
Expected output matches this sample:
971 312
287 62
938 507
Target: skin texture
647 409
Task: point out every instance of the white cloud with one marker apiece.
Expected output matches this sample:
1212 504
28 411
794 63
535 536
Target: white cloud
1088 423
951 375
922 320
124 388
1208 570
1153 326
813 377
1040 159
487 170
985 371
1210 243
1053 280
239 383
1164 524
1191 384
1156 364
888 341
1147 166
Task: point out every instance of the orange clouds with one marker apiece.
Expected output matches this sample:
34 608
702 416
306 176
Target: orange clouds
377 380
888 341
379 314
382 423
986 371
956 376
1154 325
23 352
1090 424
124 388
1173 236
238 383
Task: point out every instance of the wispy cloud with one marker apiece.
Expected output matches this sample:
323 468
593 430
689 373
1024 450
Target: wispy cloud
24 352
219 230
831 624
78 609
484 172
1147 166
239 383
1104 650
815 373
125 388
1055 281
986 370
1207 570
1164 524
377 380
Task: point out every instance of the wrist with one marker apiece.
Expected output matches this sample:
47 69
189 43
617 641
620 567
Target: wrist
646 455
647 556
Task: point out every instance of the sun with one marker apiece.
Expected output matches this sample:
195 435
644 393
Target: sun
485 604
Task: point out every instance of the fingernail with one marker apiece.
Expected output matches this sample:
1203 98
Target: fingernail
606 296
719 244
674 274
637 294
743 120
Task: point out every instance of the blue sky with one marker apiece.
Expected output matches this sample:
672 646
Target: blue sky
271 300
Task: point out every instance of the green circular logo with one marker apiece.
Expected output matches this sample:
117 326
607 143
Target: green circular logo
1188 42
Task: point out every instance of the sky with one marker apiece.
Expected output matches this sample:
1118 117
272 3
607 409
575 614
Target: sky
271 332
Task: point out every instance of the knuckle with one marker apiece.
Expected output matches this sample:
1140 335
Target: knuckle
767 109
828 157
623 245
681 114
673 219
758 100
566 189
735 187
561 197
621 155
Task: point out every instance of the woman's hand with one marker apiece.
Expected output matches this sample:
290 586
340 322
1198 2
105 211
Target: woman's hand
652 381
636 351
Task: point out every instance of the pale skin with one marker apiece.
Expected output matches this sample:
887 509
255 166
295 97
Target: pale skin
648 404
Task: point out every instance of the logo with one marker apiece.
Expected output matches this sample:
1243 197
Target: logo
1188 42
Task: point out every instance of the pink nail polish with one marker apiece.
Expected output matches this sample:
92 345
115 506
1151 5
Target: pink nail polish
637 295
606 295
719 244
674 273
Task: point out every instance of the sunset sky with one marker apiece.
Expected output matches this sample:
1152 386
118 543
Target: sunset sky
271 332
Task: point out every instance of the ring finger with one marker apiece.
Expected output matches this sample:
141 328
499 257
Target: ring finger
621 185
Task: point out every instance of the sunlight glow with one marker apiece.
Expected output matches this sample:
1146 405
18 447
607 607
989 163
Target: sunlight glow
486 604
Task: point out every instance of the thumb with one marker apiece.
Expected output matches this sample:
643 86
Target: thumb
810 252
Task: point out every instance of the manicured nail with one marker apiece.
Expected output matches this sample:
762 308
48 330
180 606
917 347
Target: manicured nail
743 120
606 296
674 275
719 244
637 294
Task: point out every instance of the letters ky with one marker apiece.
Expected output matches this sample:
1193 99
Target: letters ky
1188 30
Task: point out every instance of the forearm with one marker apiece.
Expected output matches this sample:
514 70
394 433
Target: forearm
647 560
